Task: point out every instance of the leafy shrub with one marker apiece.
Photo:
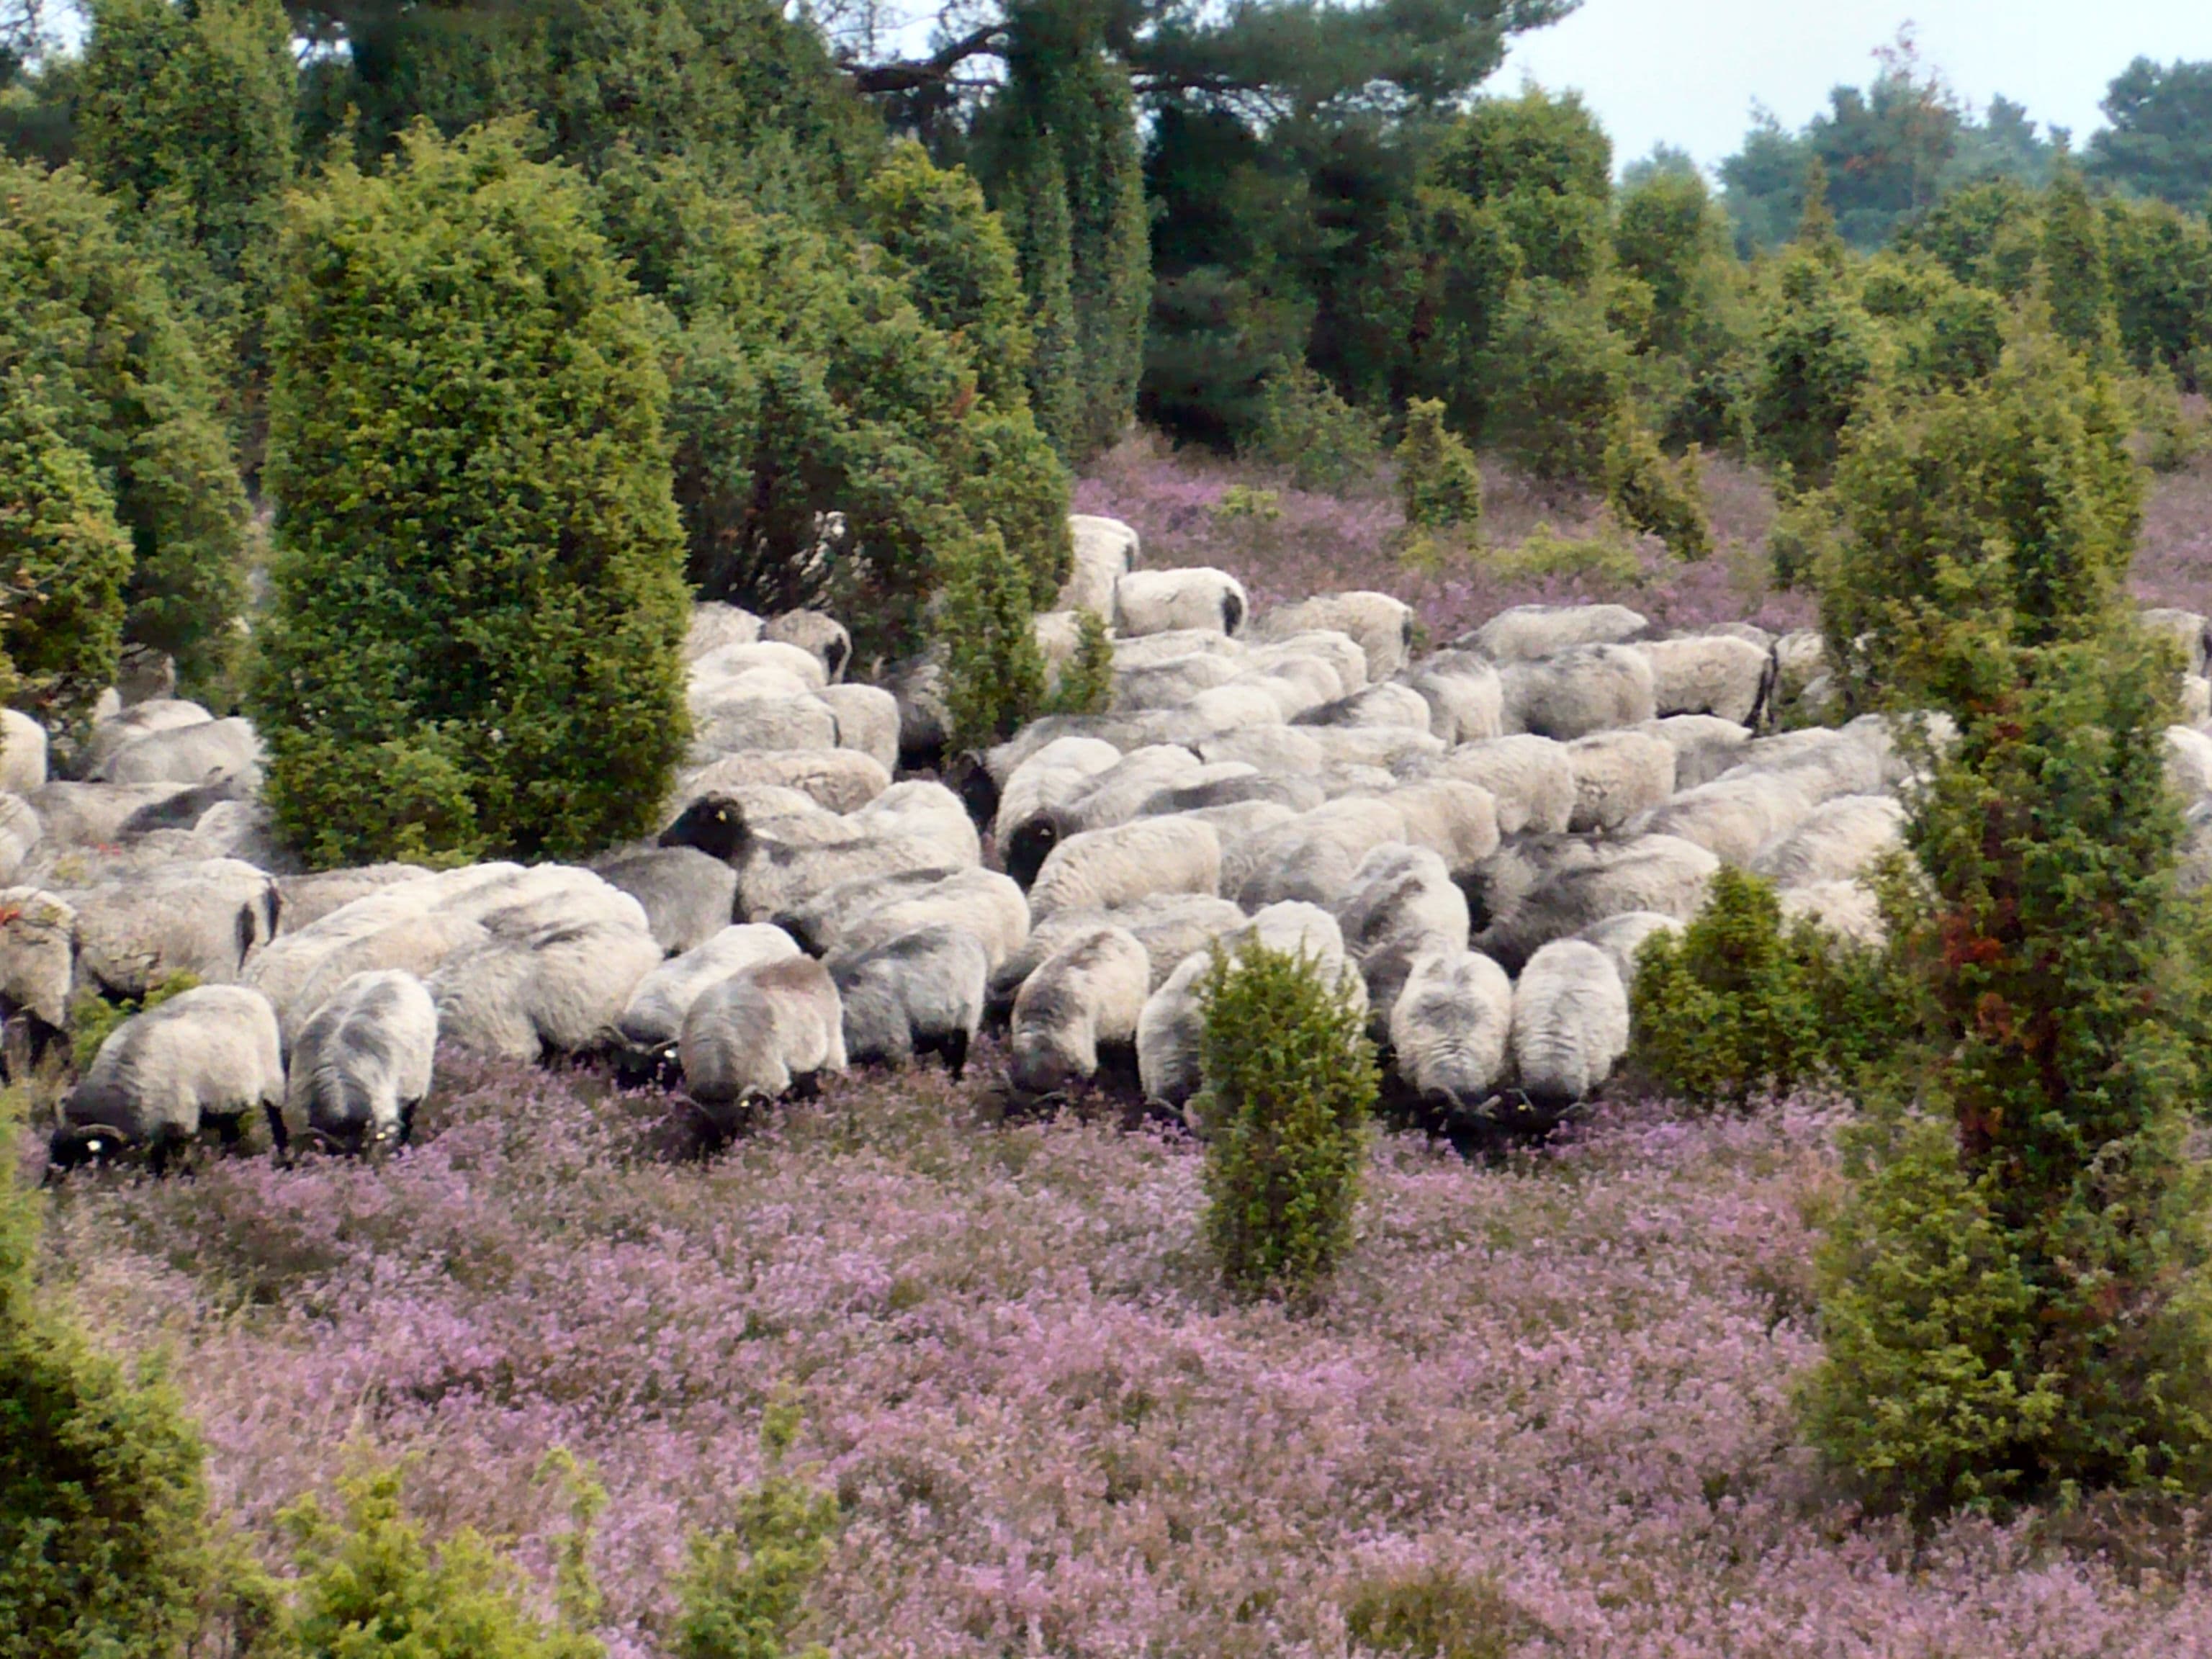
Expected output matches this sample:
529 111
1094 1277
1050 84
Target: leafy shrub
1558 374
497 623
744 1593
1820 353
1726 1012
995 675
1290 1079
1654 494
2167 438
1306 427
1085 684
93 1017
1607 555
1438 483
1434 1614
1248 502
103 1500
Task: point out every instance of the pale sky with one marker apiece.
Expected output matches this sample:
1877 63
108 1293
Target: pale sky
1688 71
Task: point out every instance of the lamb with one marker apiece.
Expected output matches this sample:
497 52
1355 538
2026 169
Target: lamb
687 897
759 1035
1466 697
204 751
360 1066
1079 1011
1153 601
1312 857
1382 625
1386 704
714 625
1733 816
1836 842
1170 925
916 993
203 1060
1530 779
118 732
867 722
823 638
1401 905
1570 885
1621 938
652 1020
38 951
204 918
1704 746
1106 550
1616 775
836 779
1569 1025
1528 631
1716 674
22 752
1575 692
1449 1028
20 832
1099 869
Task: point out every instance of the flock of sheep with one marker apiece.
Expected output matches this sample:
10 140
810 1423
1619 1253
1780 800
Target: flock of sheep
1476 841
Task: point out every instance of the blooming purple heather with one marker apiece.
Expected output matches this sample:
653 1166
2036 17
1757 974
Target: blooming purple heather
1051 1432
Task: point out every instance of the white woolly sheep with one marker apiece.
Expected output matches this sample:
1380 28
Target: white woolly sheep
1530 779
37 953
1105 551
1622 936
1836 842
2189 763
1538 892
1733 816
553 971
819 921
733 725
760 1034
1575 692
206 752
1466 698
1170 925
205 919
1847 909
1312 857
307 899
1456 820
1860 759
1528 631
96 814
1134 653
867 721
1153 601
1449 1027
1710 674
1401 904
1616 775
1384 704
1099 869
1324 648
20 832
118 732
1172 684
1112 796
1294 684
2196 699
1569 1024
919 991
1381 625
1078 1012
981 902
22 752
714 625
780 664
822 637
1275 750
653 1016
203 1060
836 779
1704 746
360 1066
1051 777
687 897
917 684
926 811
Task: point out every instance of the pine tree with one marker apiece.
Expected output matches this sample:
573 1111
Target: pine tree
2075 280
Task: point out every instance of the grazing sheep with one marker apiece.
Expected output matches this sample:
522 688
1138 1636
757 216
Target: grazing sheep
205 1058
360 1066
1836 842
206 919
205 751
916 992
1456 820
1234 785
1528 631
552 971
2188 630
1704 747
1530 779
1733 816
714 625
37 953
1540 892
1099 869
119 731
1382 625
1154 601
770 663
1846 908
917 685
733 725
926 811
981 902
1294 684
782 860
1312 857
20 832
867 722
1340 653
2196 699
823 638
1112 796
1401 904
1276 750
1616 775
1860 759
1622 936
1404 750
837 780
1449 1028
1385 704
1170 925
1716 674
760 1034
1106 550
1077 1010
1466 697
1575 692
2189 763
1801 657
820 920
1135 655
94 814
653 1016
1569 1024
687 897
1172 684
22 752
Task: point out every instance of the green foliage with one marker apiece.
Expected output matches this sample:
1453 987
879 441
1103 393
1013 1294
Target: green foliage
1729 1012
1439 485
63 562
994 675
477 599
93 1017
1289 1080
2075 282
1545 165
102 1499
1248 501
1084 684
1558 377
1819 353
744 1594
2159 139
2015 1298
2161 263
2006 508
2168 437
1943 332
1306 427
371 1584
1607 554
1434 1614
86 319
1651 492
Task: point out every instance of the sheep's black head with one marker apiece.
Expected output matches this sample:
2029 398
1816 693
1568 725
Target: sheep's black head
1027 847
1232 611
836 653
74 1145
714 825
978 791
